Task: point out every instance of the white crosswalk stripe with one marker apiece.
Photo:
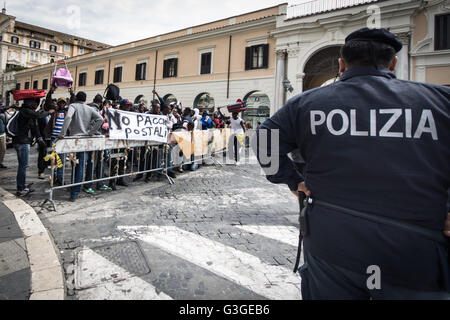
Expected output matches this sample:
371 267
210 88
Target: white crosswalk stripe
272 282
99 279
285 234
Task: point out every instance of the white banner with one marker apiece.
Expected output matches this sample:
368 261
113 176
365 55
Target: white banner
137 126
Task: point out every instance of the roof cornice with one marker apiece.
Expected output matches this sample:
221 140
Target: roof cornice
228 30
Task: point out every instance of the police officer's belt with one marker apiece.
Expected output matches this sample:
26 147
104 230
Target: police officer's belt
433 235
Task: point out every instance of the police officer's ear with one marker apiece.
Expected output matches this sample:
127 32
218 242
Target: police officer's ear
342 66
393 64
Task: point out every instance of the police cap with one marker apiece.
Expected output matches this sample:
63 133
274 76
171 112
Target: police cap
379 35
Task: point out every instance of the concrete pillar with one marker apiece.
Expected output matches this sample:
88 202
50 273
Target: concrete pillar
279 77
402 70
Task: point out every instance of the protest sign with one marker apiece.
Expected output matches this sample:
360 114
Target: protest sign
137 126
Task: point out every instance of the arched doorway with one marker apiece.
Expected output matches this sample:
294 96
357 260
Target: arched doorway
321 68
258 108
169 98
204 101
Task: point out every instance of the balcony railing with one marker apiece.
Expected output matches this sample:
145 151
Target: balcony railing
319 6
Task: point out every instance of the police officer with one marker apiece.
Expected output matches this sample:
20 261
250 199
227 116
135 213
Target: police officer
377 153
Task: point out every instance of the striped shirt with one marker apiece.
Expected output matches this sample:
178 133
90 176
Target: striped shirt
58 124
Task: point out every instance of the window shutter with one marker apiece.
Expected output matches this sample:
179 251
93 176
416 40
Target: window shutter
265 56
248 58
165 69
143 71
175 67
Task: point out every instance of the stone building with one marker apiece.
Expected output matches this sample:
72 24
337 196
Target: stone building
263 57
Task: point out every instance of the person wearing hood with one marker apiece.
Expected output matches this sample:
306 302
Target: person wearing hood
197 119
28 130
206 121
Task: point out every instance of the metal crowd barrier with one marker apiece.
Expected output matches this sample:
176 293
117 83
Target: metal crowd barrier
104 160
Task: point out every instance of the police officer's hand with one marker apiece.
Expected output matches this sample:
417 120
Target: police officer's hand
302 188
447 226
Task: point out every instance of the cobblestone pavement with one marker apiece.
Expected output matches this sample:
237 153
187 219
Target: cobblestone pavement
217 233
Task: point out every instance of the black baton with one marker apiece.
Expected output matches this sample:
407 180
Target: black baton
301 220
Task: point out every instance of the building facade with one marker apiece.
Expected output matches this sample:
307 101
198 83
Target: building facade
26 46
309 38
262 57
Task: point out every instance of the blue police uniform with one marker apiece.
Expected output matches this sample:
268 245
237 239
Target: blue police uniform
378 145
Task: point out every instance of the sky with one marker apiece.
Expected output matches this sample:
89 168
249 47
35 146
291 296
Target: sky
115 22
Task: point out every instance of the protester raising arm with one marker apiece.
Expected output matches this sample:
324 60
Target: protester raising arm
161 100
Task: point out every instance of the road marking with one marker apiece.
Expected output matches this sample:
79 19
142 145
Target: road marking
285 234
272 282
97 278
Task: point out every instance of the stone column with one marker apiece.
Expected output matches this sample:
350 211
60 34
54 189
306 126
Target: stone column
292 71
279 77
299 83
402 70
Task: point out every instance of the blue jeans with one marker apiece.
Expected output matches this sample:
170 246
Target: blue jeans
23 152
94 166
78 175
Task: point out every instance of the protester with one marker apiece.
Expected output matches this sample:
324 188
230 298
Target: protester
27 131
219 122
197 119
206 121
237 137
118 166
81 120
96 158
3 122
54 126
187 115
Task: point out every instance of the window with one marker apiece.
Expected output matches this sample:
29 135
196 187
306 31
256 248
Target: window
52 60
45 84
34 56
66 47
35 44
141 71
82 79
117 74
15 40
441 34
35 84
170 68
80 50
53 48
257 57
17 86
205 63
27 85
99 76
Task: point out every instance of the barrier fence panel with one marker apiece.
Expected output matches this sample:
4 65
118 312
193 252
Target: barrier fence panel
91 162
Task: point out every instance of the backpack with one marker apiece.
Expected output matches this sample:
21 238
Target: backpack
112 92
12 126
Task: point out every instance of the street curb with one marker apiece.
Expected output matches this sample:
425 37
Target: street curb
47 277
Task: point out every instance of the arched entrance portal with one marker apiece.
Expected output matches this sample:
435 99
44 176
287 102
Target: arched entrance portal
169 98
321 68
258 108
204 101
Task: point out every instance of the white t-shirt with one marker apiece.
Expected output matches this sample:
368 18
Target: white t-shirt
236 127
